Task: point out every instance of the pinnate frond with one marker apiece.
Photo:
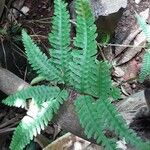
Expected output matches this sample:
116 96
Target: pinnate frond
98 116
39 61
91 120
38 94
35 121
59 38
86 29
104 86
114 122
83 58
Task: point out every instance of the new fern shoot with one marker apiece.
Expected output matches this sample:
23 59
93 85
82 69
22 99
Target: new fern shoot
78 69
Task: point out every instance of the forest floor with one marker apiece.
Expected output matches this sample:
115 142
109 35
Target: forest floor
35 16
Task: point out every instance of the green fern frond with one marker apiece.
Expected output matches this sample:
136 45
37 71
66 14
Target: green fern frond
86 29
115 122
39 94
35 121
145 69
83 62
59 38
144 26
97 116
91 120
39 60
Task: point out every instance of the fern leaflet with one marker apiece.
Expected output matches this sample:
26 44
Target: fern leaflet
39 60
59 38
104 83
35 120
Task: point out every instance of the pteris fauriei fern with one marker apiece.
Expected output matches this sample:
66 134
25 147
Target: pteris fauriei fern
77 68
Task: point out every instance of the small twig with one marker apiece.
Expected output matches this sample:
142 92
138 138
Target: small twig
41 36
9 122
6 130
38 20
25 73
4 52
122 45
101 51
38 37
14 58
21 53
12 125
128 40
11 14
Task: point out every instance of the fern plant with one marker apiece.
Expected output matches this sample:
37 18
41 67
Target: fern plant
78 69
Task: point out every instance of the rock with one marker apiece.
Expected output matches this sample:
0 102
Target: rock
106 12
107 7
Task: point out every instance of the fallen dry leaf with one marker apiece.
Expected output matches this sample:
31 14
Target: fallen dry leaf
131 52
118 72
